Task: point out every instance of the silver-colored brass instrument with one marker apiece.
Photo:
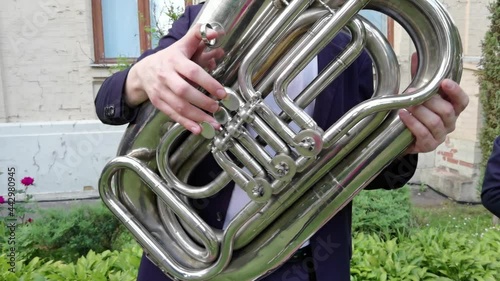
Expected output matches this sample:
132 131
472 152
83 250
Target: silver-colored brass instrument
313 173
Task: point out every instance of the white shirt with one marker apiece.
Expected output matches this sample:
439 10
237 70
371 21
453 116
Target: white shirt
239 198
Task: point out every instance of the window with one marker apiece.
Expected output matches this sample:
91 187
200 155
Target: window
382 22
126 28
122 28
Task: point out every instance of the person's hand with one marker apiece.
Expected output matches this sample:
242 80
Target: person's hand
170 78
433 120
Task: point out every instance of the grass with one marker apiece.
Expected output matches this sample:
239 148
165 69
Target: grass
453 217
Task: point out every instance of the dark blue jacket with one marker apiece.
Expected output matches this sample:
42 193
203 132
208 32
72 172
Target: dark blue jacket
331 246
490 194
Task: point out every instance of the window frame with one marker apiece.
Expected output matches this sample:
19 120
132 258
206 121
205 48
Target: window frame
144 15
390 31
98 28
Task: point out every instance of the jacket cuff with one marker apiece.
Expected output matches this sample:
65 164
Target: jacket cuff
396 174
115 111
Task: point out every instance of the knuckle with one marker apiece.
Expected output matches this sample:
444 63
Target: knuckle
174 115
156 89
427 136
182 90
192 72
441 139
180 108
436 123
161 75
155 99
452 127
448 111
466 100
428 145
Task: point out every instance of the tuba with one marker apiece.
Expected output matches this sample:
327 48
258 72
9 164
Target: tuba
311 173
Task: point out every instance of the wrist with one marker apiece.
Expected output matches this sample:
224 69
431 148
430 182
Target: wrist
133 93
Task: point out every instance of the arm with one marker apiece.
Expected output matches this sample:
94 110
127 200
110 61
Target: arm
110 106
169 77
111 94
490 195
429 123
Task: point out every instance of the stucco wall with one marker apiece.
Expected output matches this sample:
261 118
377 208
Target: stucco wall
453 167
48 128
46 56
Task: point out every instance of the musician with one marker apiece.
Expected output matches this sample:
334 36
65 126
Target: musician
167 76
490 195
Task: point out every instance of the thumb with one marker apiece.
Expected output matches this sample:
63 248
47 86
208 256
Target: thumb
190 43
414 64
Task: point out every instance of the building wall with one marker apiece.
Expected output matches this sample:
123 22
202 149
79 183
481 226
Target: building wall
47 61
454 167
48 79
48 128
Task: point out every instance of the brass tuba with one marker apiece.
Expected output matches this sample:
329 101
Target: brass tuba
312 173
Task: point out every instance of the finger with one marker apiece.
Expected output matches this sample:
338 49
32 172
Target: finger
453 93
424 140
414 64
187 92
187 110
200 77
444 109
211 65
431 121
203 57
183 113
190 125
156 93
191 41
178 109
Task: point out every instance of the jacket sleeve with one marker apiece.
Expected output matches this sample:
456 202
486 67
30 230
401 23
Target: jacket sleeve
109 103
402 169
490 195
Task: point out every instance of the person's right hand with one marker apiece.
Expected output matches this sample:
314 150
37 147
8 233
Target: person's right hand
170 77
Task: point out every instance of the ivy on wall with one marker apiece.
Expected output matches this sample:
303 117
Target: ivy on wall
489 83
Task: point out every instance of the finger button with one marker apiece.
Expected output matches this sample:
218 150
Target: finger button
207 130
203 31
231 101
221 116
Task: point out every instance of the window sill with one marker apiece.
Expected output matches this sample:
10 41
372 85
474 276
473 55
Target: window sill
103 65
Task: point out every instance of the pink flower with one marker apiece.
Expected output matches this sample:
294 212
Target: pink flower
28 181
2 200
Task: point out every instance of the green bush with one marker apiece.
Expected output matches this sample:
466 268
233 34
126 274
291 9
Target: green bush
113 266
489 81
382 211
426 254
66 235
429 254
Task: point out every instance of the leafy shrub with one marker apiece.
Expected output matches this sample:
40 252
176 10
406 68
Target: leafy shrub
68 234
429 254
113 266
489 81
382 211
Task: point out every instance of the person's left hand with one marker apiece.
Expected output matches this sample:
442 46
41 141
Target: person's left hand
433 120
